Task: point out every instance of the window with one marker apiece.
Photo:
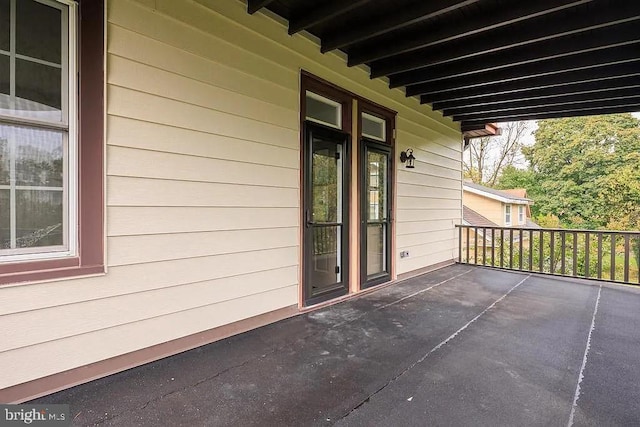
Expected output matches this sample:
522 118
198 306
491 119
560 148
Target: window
374 127
521 214
323 110
37 139
51 215
374 188
507 215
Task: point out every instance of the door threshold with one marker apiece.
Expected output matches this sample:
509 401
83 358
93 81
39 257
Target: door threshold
347 297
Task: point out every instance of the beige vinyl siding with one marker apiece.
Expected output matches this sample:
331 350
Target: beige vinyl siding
491 209
202 215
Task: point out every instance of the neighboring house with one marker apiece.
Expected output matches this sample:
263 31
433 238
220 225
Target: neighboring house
471 217
205 175
486 206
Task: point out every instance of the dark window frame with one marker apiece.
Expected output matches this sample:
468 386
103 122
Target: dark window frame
310 83
90 225
366 106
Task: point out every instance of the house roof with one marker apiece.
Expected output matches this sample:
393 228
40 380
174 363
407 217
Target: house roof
483 61
504 196
472 217
517 192
531 224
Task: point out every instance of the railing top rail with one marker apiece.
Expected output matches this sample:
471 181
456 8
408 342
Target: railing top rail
563 230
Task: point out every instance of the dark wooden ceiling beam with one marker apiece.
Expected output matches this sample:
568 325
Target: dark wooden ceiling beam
570 50
547 69
526 87
473 124
415 84
506 38
426 36
475 127
323 13
630 97
403 17
255 5
545 93
548 109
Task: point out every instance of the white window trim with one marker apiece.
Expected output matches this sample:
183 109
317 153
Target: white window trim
383 122
508 212
521 214
327 101
68 125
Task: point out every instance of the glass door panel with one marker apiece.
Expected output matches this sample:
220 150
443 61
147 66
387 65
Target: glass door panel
325 232
376 249
375 213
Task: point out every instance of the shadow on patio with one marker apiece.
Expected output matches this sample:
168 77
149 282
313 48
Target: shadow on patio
459 346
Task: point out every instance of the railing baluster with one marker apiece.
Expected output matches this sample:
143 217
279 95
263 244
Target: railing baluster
460 244
501 248
475 245
575 254
626 258
484 245
563 251
612 273
468 243
541 253
587 238
493 246
530 234
551 255
511 248
599 255
520 248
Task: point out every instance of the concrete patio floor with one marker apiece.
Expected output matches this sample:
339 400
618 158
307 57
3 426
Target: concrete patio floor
459 346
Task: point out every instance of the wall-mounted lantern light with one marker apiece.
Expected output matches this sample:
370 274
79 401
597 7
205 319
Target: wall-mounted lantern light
408 158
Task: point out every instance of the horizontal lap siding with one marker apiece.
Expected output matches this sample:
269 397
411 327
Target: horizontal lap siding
491 209
429 198
202 216
79 350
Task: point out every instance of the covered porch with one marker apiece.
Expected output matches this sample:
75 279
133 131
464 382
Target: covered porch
463 345
189 207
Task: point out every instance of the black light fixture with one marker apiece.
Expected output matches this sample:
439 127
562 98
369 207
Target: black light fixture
408 158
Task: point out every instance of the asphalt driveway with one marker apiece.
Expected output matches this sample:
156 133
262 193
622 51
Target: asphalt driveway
456 347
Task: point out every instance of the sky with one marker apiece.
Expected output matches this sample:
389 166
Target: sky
533 125
529 139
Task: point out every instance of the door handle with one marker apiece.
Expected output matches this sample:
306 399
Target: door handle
308 218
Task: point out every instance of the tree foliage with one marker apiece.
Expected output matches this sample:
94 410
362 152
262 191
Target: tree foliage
585 171
486 158
513 177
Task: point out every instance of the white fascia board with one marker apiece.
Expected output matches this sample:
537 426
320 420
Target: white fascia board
495 196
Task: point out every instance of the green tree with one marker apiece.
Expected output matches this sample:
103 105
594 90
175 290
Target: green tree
513 177
486 158
587 170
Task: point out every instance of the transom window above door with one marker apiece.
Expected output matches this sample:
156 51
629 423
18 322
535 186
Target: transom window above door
374 127
323 110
